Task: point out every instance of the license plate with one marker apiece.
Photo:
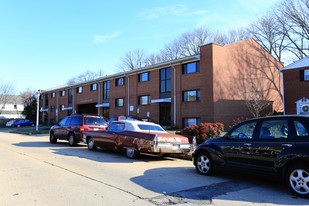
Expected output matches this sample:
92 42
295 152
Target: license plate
95 129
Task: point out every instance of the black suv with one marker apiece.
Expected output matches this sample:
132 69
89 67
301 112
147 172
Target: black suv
270 145
71 128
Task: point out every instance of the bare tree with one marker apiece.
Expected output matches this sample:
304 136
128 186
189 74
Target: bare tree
255 94
132 60
6 92
192 41
293 15
86 76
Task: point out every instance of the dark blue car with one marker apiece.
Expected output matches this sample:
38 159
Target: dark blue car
23 122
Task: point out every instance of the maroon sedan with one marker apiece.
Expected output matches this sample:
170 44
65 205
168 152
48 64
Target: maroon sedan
134 137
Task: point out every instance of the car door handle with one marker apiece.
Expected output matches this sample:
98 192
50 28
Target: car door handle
287 145
247 144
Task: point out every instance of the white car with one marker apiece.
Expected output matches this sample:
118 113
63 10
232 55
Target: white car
10 123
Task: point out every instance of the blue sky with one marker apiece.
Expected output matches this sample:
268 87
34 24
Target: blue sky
45 43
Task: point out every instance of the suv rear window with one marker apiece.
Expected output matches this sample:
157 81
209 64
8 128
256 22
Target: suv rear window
94 121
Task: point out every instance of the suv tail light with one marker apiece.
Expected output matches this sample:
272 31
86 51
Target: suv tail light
81 128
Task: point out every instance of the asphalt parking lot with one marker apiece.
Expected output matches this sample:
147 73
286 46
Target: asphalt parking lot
35 172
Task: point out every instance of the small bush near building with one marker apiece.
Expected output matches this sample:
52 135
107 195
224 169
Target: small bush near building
203 131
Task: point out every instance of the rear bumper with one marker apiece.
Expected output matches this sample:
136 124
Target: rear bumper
178 148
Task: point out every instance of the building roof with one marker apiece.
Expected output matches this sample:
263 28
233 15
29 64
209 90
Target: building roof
298 64
13 99
127 73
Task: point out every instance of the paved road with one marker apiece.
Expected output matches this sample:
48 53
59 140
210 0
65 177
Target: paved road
35 172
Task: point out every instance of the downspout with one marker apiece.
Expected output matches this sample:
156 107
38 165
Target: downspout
37 111
57 111
283 93
99 91
174 94
128 96
73 102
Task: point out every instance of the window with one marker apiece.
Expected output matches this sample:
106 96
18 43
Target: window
120 81
53 95
191 96
77 120
62 93
15 106
144 100
52 108
306 75
244 131
94 121
191 67
165 80
274 129
41 97
106 90
46 100
94 87
144 77
120 102
300 129
187 122
116 127
70 97
150 127
79 90
62 107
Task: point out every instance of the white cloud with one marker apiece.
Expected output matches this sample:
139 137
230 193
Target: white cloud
99 39
171 10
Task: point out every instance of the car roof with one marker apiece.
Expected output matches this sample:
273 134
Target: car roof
133 125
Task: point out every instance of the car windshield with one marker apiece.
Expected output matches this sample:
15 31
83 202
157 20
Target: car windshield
94 121
150 127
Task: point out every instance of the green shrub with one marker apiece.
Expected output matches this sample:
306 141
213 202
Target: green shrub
203 131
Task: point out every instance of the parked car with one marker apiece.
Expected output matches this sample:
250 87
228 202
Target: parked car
71 128
271 145
134 137
19 123
119 118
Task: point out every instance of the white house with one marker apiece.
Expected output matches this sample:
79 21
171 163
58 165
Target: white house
11 107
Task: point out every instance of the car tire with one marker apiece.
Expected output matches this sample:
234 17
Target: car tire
204 164
297 179
91 145
52 138
131 153
72 140
32 125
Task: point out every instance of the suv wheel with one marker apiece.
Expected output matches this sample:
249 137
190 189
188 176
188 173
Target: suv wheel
298 180
72 140
204 164
91 145
52 138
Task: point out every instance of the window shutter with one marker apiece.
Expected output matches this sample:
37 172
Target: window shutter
301 75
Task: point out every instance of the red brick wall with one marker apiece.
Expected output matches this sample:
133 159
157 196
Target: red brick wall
294 89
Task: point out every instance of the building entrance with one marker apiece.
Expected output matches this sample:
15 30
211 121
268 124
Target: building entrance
165 114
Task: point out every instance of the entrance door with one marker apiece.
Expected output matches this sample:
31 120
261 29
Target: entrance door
105 112
165 114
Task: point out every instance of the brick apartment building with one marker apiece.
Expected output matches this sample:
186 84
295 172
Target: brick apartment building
178 93
296 87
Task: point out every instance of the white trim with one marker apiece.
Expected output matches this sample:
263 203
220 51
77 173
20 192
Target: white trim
102 105
161 100
67 108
